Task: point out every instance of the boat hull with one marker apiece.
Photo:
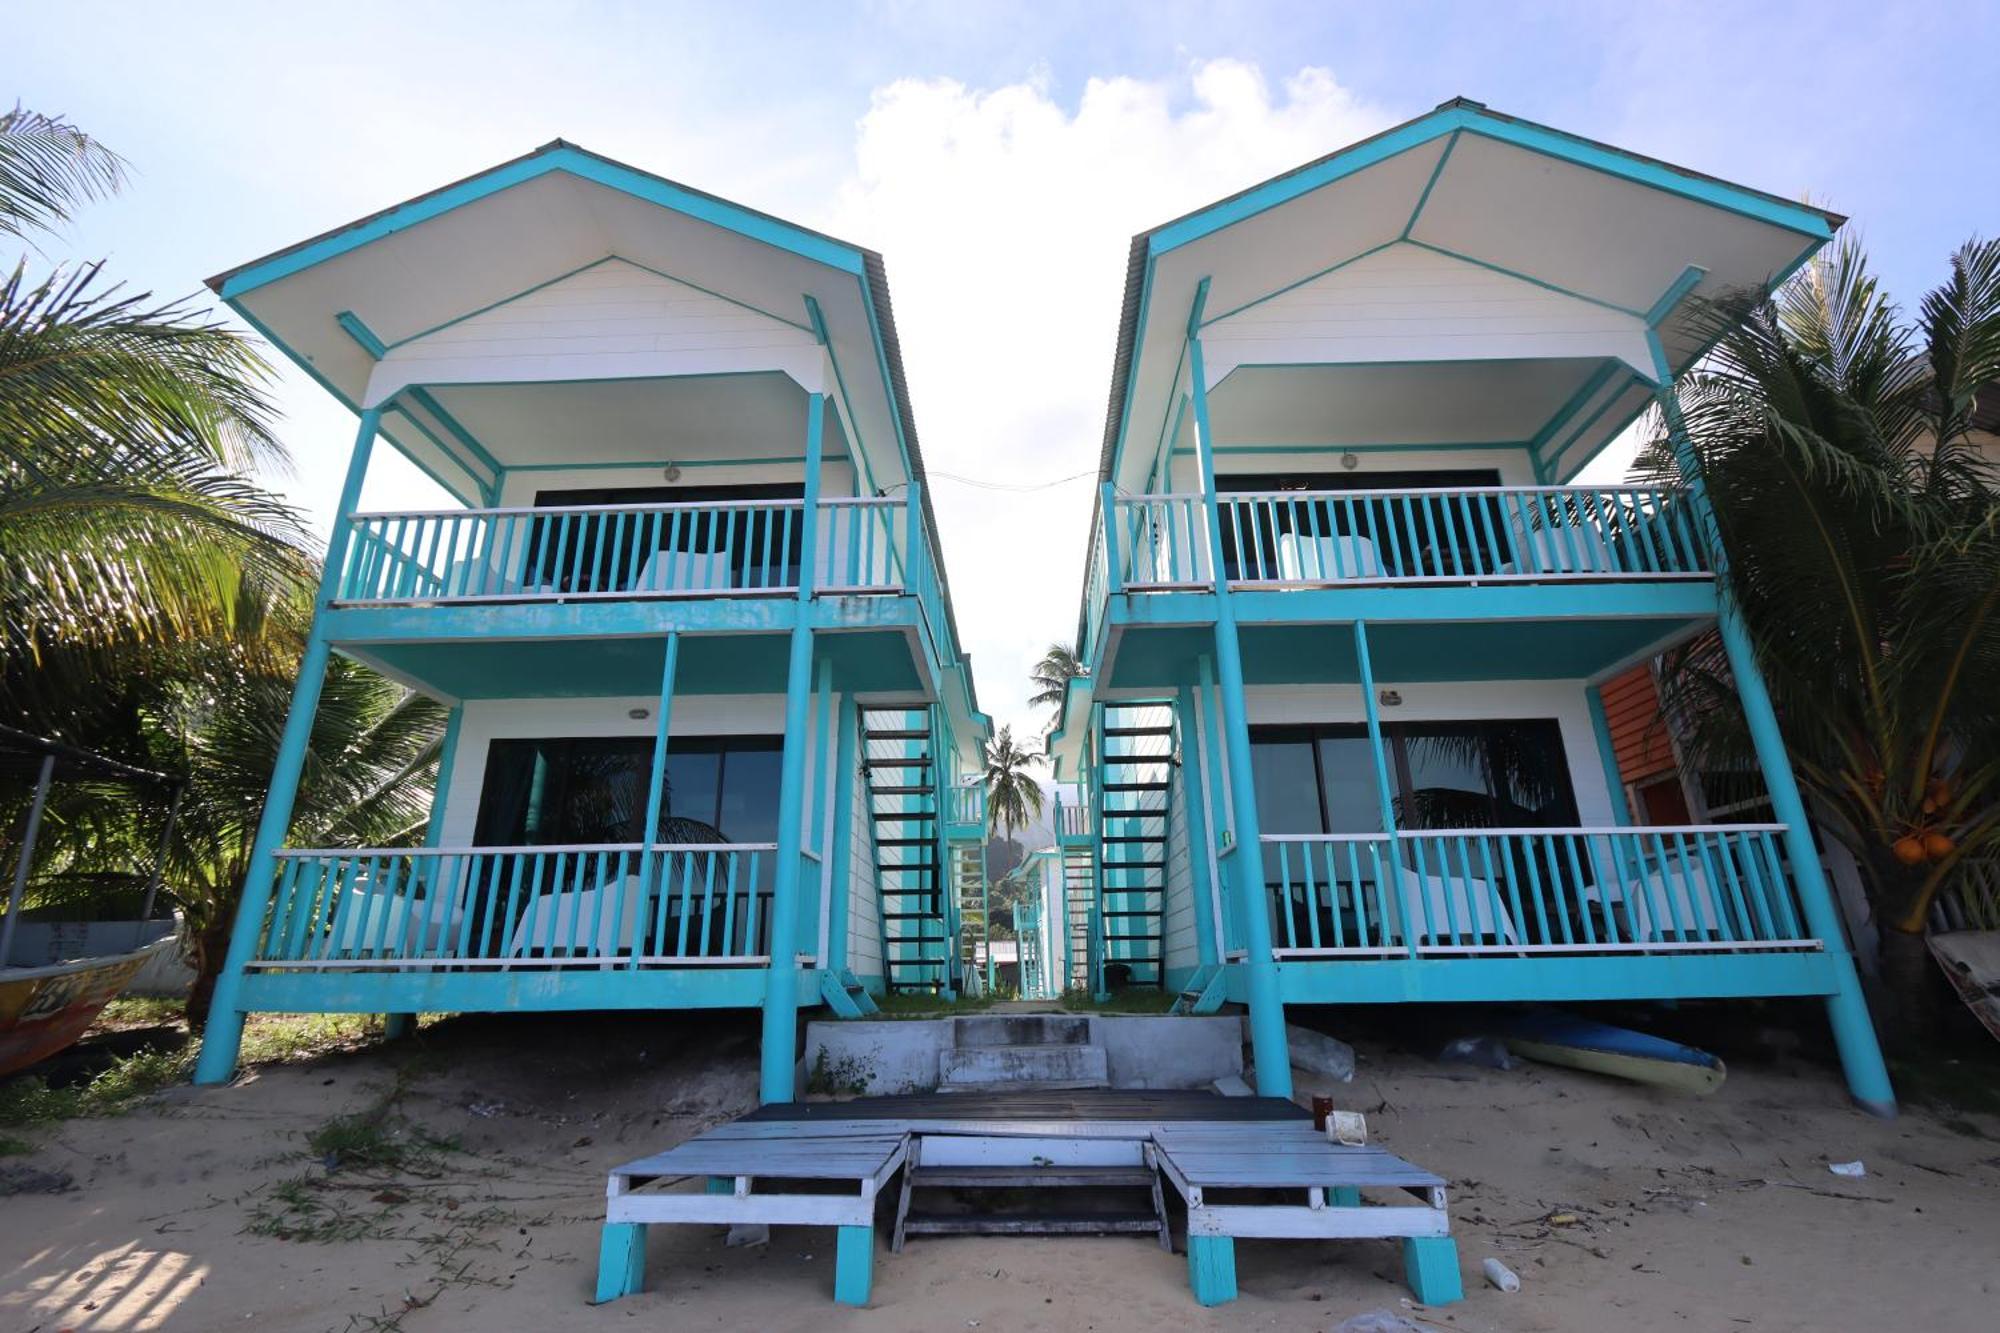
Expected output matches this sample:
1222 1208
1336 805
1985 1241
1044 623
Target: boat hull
45 1009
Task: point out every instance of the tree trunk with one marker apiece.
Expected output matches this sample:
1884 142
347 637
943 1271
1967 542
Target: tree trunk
211 949
1910 983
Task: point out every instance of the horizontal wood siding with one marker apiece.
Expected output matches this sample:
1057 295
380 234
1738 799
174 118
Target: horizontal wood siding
1638 730
864 909
1182 951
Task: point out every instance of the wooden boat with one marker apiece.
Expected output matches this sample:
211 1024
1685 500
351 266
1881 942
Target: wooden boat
57 975
1556 1038
44 1009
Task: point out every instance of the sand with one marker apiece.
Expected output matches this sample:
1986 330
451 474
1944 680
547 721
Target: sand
1621 1207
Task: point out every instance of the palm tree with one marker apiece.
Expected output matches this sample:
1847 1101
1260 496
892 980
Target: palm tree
1058 667
1013 796
127 430
154 602
1862 524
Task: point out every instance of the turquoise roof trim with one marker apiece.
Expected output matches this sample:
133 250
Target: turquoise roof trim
557 155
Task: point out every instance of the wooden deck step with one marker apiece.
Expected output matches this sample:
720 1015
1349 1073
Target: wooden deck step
1030 1224
1033 1177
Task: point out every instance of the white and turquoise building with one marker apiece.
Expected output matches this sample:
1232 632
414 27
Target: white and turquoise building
709 717
1349 604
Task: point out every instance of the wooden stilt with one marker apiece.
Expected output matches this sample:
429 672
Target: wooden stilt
621 1260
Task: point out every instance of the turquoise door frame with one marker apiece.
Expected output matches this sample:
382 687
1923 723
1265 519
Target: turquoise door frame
223 1035
1268 1043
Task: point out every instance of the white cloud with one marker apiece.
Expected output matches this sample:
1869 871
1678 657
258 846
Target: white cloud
1005 219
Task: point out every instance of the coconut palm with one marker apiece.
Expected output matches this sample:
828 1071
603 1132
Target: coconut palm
153 600
1058 667
128 427
1013 796
1837 444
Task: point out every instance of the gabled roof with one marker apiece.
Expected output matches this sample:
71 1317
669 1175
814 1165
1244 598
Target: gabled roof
1416 166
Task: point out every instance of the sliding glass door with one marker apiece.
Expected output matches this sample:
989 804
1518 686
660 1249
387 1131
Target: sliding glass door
1321 778
592 790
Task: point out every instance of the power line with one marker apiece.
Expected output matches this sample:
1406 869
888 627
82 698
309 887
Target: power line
1010 485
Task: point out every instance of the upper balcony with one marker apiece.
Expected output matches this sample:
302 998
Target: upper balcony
1421 557
662 413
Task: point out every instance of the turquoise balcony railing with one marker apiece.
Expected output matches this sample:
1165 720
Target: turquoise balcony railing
968 804
1694 889
529 908
607 552
1294 539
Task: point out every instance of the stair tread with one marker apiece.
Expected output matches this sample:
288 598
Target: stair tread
973 1224
1059 1177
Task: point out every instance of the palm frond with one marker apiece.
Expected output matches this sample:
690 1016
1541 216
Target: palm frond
47 167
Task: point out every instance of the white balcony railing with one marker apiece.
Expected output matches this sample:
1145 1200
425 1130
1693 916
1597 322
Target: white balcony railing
1692 889
525 908
611 552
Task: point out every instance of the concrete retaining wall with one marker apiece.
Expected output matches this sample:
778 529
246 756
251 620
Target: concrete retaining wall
885 1057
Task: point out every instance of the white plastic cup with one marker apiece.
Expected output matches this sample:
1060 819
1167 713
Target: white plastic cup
1349 1128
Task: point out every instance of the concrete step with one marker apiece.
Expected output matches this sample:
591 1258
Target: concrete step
1044 1067
1021 1030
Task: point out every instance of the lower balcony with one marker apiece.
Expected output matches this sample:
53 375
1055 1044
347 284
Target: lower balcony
571 927
1537 914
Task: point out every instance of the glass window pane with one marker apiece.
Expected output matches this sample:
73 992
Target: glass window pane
1281 767
688 810
1347 783
1445 782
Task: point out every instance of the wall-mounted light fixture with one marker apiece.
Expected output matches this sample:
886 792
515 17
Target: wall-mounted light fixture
1389 698
1349 460
673 472
638 714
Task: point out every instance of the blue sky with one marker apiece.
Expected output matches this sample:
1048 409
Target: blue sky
1000 156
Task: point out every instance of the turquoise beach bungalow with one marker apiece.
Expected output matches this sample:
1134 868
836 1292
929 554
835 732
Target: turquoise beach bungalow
1349 604
710 725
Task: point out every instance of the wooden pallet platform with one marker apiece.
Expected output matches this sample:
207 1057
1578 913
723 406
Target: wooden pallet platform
1246 1167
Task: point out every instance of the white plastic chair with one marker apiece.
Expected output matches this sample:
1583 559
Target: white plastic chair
1469 902
1662 905
1303 559
687 571
562 922
1559 547
406 927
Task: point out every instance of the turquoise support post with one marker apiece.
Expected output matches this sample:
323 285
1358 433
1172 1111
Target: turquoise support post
1268 1043
853 1264
823 772
781 991
441 789
395 1027
223 1035
1344 1196
1211 1264
1847 1010
841 849
1194 797
1621 810
621 1261
986 919
1430 1266
656 789
1371 707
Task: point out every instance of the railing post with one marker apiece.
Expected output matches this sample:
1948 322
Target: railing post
1114 579
1607 752
1847 1010
781 989
1372 709
656 788
1269 1043
223 1033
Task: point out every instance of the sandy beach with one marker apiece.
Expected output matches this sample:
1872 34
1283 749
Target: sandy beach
1621 1207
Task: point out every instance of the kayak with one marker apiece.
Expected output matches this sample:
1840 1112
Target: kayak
45 1009
1555 1038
